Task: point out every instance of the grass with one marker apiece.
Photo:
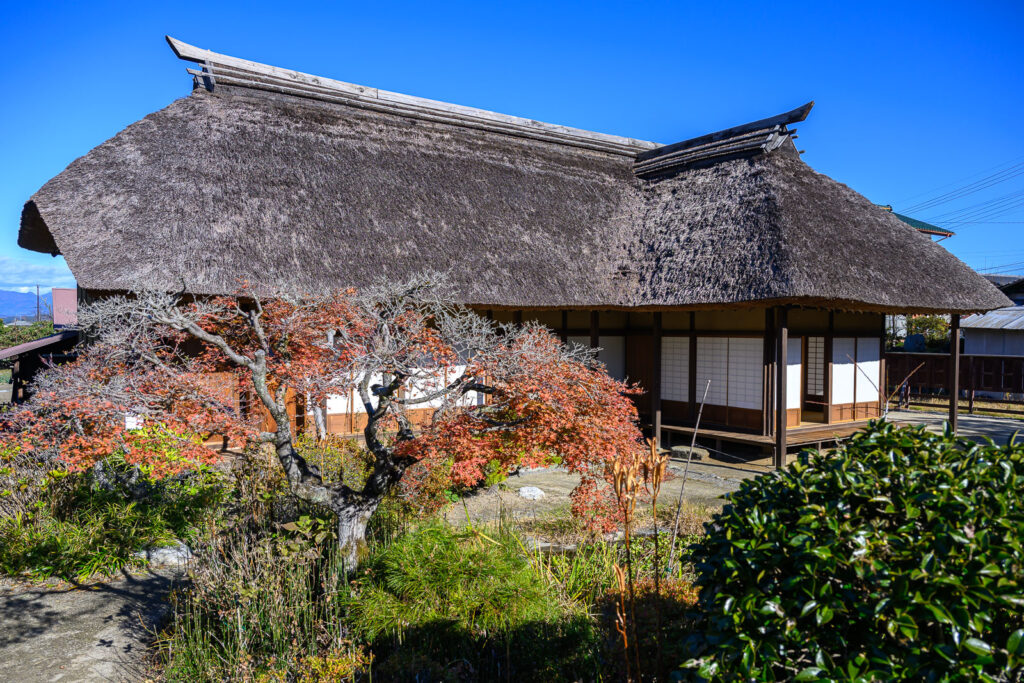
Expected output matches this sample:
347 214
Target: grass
5 375
84 531
987 407
431 603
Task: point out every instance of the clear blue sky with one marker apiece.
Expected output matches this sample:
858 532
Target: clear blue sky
913 99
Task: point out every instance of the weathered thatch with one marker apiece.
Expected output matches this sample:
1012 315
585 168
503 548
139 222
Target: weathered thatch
284 189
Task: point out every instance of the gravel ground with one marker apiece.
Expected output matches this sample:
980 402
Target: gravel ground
65 632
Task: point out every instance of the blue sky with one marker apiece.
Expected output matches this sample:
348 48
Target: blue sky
913 99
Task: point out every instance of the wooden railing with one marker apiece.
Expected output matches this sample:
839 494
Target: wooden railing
927 374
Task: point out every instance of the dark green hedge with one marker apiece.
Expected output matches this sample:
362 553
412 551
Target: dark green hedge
899 556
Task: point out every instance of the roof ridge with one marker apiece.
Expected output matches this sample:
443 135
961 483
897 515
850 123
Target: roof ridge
227 70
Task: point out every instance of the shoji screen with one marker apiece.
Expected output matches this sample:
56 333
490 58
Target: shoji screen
735 366
869 369
843 369
713 364
675 368
746 368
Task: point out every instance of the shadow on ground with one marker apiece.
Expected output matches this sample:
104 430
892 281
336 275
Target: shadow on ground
95 632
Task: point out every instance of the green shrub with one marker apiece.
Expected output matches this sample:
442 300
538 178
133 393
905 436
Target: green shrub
897 557
78 529
447 604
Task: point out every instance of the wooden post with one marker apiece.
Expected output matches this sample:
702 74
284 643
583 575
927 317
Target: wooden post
595 329
656 379
565 326
768 374
781 360
829 336
691 389
954 370
971 382
517 317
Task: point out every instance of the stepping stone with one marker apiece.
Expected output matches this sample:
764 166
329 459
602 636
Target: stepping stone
681 452
531 493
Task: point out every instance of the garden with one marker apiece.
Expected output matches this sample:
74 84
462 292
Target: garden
898 556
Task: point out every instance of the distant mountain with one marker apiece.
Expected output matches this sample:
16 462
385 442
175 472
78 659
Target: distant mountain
23 305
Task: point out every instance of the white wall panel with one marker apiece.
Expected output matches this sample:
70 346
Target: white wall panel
746 370
675 368
794 352
713 364
613 355
843 369
869 369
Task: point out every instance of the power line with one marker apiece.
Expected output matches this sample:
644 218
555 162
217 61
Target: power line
980 208
1005 265
963 179
977 186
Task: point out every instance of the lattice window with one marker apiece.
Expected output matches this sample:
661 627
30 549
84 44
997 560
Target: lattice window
816 366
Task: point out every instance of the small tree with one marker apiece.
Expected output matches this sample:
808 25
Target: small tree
483 393
934 329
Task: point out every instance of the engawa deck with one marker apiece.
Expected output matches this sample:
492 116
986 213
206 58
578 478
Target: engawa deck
795 436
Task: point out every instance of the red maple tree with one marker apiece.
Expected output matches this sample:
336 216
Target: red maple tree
441 387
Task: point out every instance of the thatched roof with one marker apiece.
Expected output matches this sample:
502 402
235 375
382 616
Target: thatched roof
287 180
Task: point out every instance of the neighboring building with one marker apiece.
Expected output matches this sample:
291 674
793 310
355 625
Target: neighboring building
996 333
722 258
1010 285
28 358
919 225
65 307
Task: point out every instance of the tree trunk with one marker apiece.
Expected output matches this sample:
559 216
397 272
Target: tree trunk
321 422
352 521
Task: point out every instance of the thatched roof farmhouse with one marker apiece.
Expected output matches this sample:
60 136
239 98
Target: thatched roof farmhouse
281 177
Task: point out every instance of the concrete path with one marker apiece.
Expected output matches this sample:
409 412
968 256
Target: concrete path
999 429
97 632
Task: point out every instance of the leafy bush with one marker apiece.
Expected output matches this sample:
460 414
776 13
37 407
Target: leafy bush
897 557
77 528
438 596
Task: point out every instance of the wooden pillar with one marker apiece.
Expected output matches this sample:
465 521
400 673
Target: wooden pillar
829 337
691 389
595 329
565 326
656 379
517 317
883 387
781 348
768 374
954 370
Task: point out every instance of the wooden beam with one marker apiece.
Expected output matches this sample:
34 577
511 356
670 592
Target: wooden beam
793 116
656 380
954 370
781 349
236 71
